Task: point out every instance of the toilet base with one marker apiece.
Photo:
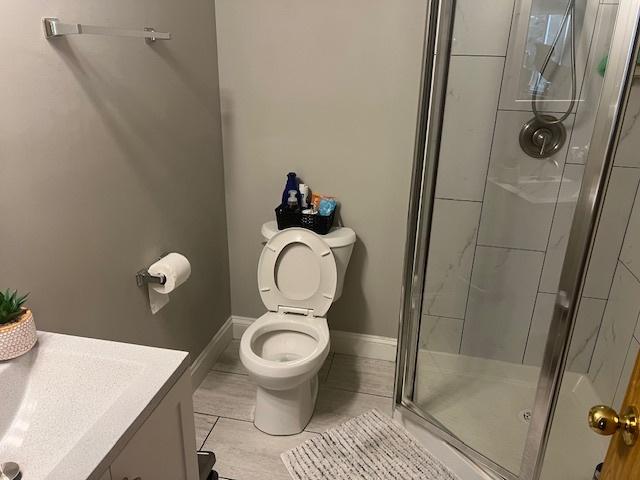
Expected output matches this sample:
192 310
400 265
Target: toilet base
286 412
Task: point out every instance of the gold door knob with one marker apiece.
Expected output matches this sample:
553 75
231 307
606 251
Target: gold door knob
604 420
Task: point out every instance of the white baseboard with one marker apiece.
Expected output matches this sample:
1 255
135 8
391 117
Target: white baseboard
360 344
363 345
211 352
240 324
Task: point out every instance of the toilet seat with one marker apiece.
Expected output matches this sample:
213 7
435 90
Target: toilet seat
309 298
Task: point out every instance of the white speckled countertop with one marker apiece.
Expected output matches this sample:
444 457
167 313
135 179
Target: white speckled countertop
71 404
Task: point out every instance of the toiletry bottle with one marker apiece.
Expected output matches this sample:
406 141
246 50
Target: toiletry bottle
292 184
292 201
304 196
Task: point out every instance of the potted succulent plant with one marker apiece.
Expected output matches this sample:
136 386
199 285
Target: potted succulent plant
17 328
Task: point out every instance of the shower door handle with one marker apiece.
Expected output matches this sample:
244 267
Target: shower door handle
605 420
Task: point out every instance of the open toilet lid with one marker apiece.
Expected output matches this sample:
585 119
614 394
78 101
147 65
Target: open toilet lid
297 271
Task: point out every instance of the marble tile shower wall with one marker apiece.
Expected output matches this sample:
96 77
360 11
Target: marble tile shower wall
618 341
501 218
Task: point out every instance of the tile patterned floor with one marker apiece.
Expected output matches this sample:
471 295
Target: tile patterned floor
224 407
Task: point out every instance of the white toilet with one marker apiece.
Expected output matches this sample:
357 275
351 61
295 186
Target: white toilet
299 275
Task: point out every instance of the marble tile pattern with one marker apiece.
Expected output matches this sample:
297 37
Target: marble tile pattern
588 322
625 376
630 254
616 210
224 406
584 337
441 334
453 238
562 218
501 301
470 110
618 325
525 204
629 144
528 205
521 191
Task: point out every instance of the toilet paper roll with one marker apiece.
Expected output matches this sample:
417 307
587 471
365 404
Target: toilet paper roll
176 269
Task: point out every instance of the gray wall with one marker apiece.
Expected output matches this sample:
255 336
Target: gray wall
110 154
329 90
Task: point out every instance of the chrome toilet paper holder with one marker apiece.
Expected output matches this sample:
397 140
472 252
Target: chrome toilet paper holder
143 277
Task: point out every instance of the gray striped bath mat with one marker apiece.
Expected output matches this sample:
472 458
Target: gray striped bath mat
368 447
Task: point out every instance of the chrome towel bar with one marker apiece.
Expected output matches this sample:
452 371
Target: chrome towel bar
55 28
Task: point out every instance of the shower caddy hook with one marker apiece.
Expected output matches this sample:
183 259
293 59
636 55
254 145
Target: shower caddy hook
55 28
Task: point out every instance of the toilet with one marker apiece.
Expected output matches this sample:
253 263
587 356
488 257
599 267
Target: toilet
300 274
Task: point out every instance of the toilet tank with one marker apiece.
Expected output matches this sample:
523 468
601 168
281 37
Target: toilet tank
340 241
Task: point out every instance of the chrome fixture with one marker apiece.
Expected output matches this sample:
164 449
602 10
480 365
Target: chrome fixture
542 136
55 28
143 277
10 471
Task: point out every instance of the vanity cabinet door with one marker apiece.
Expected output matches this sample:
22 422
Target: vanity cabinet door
165 446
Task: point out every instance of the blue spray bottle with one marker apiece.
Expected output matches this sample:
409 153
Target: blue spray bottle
292 184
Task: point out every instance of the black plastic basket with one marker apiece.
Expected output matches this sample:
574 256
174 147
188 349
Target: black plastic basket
287 219
317 223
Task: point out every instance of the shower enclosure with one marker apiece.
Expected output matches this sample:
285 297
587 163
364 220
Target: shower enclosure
521 290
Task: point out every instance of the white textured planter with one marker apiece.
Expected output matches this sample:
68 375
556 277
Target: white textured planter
17 338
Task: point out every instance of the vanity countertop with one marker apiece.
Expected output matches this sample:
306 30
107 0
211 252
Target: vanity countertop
71 404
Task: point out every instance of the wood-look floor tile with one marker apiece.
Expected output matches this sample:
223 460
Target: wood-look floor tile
337 406
245 453
204 424
363 375
226 395
229 361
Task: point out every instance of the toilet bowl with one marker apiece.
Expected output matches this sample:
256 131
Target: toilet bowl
285 348
283 356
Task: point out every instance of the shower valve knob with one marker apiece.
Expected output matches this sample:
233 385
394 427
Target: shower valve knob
541 138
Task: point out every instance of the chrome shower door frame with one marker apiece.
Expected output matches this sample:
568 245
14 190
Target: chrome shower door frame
608 124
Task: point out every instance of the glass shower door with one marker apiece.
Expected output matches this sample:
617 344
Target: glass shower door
497 196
